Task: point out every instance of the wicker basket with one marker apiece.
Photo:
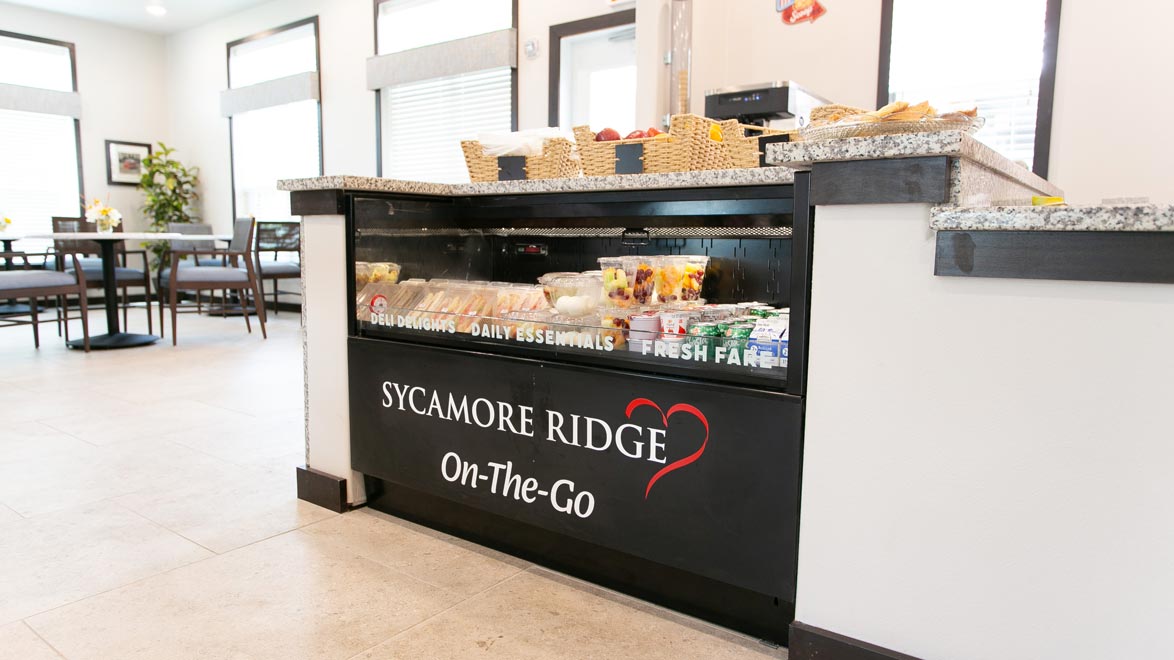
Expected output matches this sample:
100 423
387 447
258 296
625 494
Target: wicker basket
599 158
686 147
558 160
745 145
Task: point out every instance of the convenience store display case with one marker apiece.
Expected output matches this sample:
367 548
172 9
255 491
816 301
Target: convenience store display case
636 420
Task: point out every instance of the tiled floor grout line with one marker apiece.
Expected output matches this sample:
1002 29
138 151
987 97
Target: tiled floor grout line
40 637
113 500
447 609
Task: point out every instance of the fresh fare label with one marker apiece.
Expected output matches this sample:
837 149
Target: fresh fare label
690 474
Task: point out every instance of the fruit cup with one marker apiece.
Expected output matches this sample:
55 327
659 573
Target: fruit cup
641 272
669 278
617 289
694 267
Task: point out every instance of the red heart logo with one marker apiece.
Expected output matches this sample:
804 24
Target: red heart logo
680 407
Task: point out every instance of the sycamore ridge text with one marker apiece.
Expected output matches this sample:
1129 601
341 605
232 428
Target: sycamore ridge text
631 440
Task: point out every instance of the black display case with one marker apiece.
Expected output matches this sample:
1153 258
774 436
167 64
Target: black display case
555 437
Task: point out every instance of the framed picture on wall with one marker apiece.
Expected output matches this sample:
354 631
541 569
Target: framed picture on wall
124 162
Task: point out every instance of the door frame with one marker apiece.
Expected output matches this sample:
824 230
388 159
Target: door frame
557 32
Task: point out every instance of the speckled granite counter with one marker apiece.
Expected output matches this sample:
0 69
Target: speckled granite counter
979 176
1054 218
705 179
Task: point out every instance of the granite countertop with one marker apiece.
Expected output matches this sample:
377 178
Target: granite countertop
956 144
1053 218
703 179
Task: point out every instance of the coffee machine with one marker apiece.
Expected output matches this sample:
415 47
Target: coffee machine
782 105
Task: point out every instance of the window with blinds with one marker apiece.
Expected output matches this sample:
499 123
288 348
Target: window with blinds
422 122
422 146
280 141
39 169
955 68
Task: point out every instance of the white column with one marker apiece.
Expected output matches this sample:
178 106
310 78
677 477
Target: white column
324 337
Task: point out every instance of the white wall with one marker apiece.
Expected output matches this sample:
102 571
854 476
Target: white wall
986 462
120 74
197 73
1112 86
738 42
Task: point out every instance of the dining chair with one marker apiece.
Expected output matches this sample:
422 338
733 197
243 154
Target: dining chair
190 228
124 277
278 237
215 278
41 283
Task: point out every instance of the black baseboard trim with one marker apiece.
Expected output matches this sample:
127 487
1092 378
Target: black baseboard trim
811 643
327 491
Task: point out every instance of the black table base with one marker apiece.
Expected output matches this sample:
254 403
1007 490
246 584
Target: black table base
114 340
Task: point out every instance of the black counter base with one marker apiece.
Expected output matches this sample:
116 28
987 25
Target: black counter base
753 613
811 643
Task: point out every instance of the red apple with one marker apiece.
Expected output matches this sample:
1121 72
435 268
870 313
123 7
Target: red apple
653 132
607 135
635 135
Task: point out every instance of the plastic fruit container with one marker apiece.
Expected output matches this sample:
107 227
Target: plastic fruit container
670 277
362 274
384 271
617 288
695 266
641 273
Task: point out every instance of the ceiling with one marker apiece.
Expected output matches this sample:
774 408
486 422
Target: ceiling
181 14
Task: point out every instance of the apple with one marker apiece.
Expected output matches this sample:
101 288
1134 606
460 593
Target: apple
635 135
653 132
607 135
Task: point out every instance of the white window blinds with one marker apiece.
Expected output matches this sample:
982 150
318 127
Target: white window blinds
424 118
934 58
424 123
274 109
39 172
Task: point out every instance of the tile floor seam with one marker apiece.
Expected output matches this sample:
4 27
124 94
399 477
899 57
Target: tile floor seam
447 609
42 638
393 569
114 500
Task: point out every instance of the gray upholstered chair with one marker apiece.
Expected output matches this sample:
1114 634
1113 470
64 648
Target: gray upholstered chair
278 237
124 277
177 278
39 283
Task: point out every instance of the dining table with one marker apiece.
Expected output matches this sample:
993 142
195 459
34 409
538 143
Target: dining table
114 336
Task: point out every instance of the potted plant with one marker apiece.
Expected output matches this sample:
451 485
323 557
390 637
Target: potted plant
169 190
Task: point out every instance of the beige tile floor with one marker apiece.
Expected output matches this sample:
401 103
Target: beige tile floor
147 510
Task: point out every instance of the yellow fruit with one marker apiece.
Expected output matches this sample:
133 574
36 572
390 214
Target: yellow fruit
715 133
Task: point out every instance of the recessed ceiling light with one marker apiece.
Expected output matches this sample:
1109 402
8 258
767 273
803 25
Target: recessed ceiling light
156 10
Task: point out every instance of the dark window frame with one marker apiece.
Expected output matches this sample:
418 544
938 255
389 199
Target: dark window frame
312 20
379 102
557 32
77 124
1047 80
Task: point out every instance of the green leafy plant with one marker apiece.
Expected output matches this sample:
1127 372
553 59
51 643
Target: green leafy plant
169 189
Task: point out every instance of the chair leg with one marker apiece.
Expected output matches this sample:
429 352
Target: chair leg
59 298
245 310
85 321
125 307
36 330
276 289
63 310
224 304
199 303
162 306
147 298
174 325
260 308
